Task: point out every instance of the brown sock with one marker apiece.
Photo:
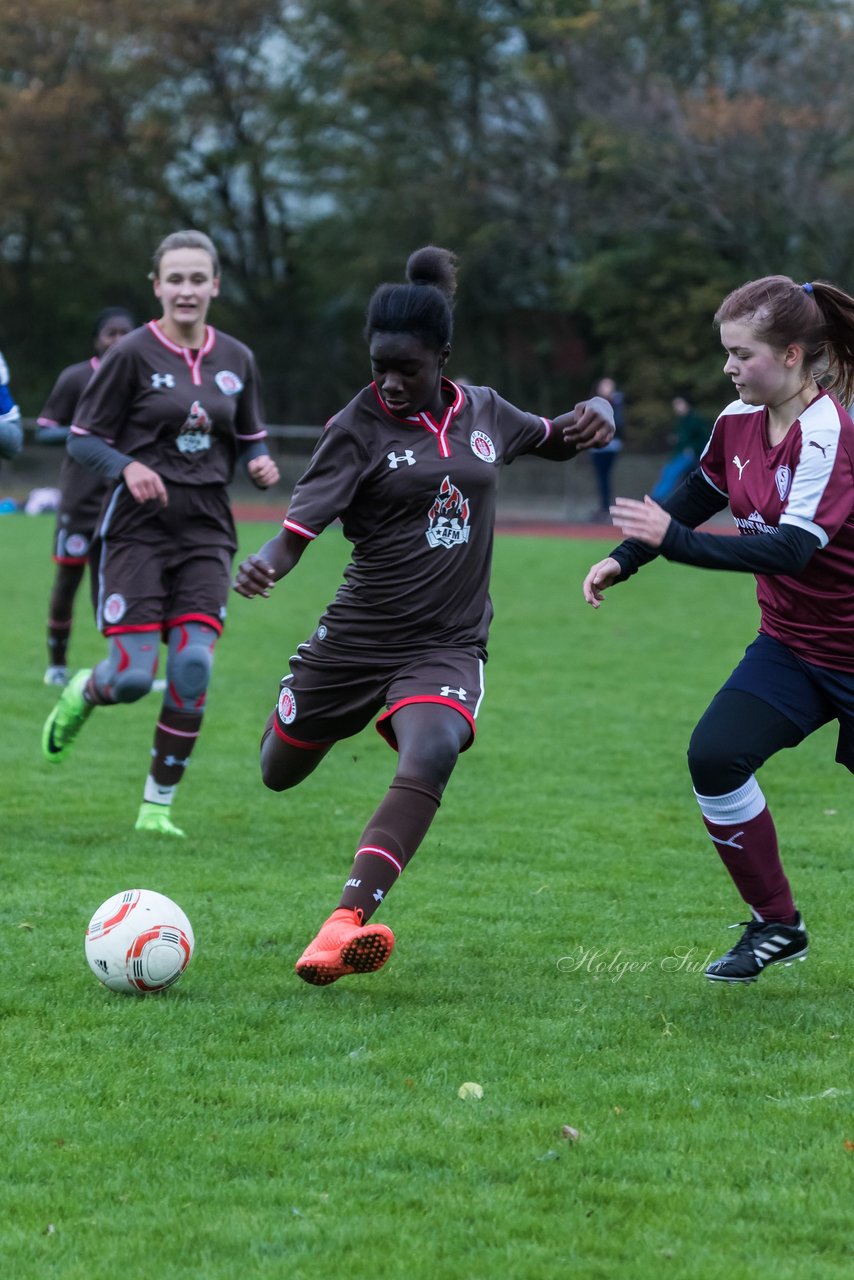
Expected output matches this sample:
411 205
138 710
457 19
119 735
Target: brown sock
174 738
388 842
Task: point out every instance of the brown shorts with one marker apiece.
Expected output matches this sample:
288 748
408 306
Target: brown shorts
328 695
163 565
82 498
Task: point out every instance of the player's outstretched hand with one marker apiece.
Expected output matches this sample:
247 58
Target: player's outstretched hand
144 485
255 577
591 424
599 578
263 471
644 520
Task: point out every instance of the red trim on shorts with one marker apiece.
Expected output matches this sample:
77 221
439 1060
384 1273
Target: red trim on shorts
206 618
295 742
121 631
386 731
73 560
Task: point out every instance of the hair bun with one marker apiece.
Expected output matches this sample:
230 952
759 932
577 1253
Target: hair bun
433 266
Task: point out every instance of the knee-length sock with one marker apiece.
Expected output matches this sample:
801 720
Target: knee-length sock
388 842
743 832
174 738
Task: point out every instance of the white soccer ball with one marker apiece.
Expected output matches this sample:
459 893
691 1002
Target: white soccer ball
139 941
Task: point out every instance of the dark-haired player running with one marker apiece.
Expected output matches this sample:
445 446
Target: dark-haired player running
82 491
411 467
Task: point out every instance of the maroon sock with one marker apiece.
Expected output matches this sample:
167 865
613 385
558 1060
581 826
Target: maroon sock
749 852
388 842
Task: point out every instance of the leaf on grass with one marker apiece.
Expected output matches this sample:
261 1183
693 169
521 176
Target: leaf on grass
26 926
470 1089
848 1144
50 1229
568 1132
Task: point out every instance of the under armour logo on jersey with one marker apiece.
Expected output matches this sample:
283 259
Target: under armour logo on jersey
446 692
395 459
174 762
731 842
737 462
815 445
159 380
378 895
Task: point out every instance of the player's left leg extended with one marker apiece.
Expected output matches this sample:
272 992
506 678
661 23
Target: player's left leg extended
188 671
430 736
736 735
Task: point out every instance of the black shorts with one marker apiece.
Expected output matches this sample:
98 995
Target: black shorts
160 566
332 694
808 695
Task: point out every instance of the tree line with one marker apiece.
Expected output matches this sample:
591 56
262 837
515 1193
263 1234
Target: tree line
605 172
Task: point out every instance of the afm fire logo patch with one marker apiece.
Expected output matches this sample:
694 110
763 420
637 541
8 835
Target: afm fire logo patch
448 518
195 433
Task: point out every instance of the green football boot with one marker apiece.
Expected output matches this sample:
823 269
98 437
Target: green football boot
155 817
67 719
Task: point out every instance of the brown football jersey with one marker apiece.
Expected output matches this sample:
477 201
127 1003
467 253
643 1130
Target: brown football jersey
184 413
417 499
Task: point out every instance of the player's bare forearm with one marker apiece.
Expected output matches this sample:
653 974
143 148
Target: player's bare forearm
259 573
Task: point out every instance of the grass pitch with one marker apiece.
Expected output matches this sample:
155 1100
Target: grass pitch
551 936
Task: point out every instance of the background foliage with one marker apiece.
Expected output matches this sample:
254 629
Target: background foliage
606 173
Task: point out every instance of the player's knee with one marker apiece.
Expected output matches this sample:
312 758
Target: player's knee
189 671
712 764
131 684
432 758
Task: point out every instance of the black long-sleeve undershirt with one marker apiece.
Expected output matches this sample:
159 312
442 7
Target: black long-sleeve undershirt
787 551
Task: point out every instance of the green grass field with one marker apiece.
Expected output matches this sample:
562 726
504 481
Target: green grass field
550 938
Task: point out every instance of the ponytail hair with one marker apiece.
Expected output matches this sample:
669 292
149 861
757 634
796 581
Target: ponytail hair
424 305
817 316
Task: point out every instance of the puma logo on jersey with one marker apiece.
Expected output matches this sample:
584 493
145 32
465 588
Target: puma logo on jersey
815 445
737 462
397 459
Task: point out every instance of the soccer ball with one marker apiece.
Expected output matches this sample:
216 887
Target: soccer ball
139 941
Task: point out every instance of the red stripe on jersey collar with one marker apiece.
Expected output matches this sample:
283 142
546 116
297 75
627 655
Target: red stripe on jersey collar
194 364
426 420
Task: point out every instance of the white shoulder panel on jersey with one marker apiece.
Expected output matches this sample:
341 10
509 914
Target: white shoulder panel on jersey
820 431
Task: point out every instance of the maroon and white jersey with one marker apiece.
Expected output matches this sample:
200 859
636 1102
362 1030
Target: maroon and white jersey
416 497
67 390
806 480
184 413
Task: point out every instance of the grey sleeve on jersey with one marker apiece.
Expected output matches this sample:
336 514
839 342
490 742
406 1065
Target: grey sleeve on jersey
94 453
257 449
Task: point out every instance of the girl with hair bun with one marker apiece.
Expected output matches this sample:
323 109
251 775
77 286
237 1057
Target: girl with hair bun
410 467
782 457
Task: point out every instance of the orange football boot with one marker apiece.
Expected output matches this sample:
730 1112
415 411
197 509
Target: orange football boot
345 945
